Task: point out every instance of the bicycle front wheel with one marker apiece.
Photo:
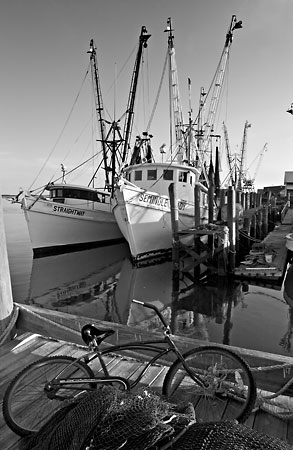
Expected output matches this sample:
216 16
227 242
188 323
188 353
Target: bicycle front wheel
28 404
217 381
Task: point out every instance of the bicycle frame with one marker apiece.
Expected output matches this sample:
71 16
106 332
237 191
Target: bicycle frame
152 346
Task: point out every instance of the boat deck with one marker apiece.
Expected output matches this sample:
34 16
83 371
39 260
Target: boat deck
275 240
16 354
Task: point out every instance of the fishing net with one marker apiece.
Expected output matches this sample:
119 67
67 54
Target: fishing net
109 419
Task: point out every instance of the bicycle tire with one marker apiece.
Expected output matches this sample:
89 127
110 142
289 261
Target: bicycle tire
230 390
26 406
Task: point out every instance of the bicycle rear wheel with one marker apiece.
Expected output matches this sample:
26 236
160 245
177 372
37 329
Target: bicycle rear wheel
223 387
27 405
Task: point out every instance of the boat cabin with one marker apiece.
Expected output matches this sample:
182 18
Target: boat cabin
63 193
158 176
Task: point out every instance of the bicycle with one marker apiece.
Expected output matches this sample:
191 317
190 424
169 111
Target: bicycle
216 380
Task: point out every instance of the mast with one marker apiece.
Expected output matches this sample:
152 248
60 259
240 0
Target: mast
243 156
208 127
143 38
99 105
228 153
175 103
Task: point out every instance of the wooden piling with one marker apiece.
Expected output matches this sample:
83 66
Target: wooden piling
6 300
196 205
247 201
232 225
176 241
259 225
253 226
196 271
265 220
246 228
211 195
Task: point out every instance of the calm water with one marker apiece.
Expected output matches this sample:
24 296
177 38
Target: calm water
100 283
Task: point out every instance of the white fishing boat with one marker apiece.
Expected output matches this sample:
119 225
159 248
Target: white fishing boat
69 218
143 210
63 216
141 201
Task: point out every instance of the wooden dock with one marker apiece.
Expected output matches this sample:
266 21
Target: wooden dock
275 242
28 347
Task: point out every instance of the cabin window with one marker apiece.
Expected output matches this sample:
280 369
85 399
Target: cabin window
152 174
182 177
59 195
138 175
128 176
168 174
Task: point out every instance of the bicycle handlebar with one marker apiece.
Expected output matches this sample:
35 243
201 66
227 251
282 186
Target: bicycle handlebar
154 308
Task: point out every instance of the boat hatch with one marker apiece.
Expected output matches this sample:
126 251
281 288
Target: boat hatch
60 194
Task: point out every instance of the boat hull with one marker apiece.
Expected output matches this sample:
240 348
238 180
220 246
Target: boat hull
289 241
57 227
144 219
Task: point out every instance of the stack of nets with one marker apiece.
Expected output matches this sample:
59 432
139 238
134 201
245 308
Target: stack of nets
109 419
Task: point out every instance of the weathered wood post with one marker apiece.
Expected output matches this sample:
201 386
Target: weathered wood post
253 226
231 213
196 223
265 220
252 200
247 200
175 240
259 234
211 195
243 200
196 205
246 227
222 202
6 300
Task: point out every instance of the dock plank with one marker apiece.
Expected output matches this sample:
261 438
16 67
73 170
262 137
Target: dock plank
119 365
275 270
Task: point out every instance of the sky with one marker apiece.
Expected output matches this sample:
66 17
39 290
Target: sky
44 59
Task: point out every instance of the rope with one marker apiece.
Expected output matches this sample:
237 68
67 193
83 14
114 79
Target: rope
49 321
10 325
264 401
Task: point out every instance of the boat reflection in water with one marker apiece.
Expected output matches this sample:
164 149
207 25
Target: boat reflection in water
188 309
100 284
81 283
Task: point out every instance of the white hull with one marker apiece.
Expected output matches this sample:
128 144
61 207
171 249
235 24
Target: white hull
289 241
145 219
55 225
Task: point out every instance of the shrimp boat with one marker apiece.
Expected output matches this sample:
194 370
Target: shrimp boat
62 217
141 203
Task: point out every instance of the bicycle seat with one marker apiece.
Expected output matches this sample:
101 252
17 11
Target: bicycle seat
90 332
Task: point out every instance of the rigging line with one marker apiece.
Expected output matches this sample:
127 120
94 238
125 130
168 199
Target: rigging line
68 173
62 131
117 76
209 90
158 93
